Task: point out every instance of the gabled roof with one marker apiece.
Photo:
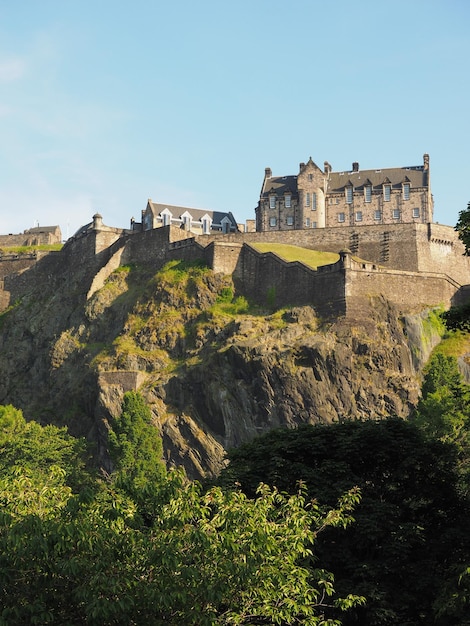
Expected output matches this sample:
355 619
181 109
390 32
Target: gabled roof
196 214
395 176
41 229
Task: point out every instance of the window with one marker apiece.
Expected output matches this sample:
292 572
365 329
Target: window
307 222
340 217
206 226
349 194
314 224
307 199
358 216
310 177
287 201
415 212
368 193
406 191
396 214
272 202
166 217
314 201
272 221
290 220
387 192
378 215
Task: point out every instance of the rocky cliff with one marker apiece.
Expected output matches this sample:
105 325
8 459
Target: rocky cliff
215 370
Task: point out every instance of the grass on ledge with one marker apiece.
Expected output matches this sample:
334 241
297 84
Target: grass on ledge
312 258
28 249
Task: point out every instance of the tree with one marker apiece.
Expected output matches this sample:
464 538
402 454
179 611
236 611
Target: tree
136 449
463 228
409 535
211 557
443 411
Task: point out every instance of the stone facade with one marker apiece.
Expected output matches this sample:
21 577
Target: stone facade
316 198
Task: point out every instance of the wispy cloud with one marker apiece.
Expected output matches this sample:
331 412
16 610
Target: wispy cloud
11 69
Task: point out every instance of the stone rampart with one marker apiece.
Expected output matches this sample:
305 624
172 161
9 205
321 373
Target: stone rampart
408 247
272 281
412 265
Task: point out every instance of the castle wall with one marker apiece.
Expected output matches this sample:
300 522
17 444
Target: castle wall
269 280
409 247
407 290
14 263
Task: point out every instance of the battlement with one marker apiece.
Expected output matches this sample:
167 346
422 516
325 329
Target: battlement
412 265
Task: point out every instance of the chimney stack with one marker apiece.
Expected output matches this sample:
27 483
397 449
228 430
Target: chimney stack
268 172
355 166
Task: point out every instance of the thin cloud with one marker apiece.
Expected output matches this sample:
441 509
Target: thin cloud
12 70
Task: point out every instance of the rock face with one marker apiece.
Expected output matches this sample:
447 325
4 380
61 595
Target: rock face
214 371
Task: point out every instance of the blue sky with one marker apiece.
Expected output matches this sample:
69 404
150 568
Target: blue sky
104 104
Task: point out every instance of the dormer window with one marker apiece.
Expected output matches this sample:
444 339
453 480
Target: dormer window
406 191
387 192
166 217
287 200
349 194
272 202
206 224
187 221
368 193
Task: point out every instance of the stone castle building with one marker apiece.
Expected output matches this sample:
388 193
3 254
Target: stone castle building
316 198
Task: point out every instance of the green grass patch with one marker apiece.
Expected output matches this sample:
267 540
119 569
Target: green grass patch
312 258
455 343
52 247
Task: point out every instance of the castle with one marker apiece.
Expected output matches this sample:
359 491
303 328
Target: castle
316 198
403 257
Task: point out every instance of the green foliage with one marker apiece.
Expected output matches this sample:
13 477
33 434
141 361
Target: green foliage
463 228
457 317
135 447
27 447
443 411
208 558
410 530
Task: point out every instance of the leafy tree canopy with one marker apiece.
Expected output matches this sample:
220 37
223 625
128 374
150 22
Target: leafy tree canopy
463 228
410 530
207 558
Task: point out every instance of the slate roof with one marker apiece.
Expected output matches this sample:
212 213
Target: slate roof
41 229
279 185
396 176
196 214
